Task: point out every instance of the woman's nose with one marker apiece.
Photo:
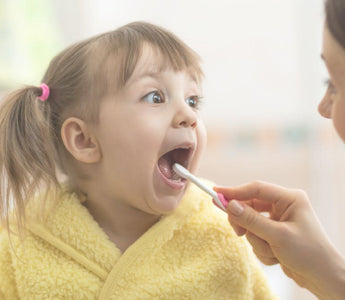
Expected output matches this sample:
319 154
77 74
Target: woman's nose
185 116
325 106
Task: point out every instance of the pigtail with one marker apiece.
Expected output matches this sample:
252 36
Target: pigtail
26 151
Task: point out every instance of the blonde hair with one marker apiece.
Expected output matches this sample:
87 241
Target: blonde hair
31 148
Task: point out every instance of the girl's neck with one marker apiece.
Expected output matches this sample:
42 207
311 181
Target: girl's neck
123 224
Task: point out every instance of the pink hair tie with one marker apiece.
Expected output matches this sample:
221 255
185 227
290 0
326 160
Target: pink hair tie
45 92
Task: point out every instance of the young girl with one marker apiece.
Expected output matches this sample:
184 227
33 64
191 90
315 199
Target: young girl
113 114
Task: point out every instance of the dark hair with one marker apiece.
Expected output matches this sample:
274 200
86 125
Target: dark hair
335 19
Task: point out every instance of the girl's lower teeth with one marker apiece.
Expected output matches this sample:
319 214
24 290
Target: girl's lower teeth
176 177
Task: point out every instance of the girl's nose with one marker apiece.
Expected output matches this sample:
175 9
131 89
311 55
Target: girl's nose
185 116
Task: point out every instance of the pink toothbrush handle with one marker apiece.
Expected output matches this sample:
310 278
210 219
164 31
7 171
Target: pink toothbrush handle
222 199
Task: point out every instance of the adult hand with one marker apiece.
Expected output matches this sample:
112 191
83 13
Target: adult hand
292 235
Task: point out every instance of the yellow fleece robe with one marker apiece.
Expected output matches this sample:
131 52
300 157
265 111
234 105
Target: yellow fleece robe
190 254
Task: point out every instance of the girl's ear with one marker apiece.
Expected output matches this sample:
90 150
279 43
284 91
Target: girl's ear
79 141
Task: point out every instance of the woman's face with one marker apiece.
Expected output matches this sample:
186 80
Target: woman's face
332 105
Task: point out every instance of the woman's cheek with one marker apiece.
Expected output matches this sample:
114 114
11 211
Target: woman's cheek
338 117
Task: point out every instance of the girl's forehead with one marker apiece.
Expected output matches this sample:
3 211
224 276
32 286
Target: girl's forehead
152 62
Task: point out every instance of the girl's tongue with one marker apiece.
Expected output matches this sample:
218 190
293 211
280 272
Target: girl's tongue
165 164
165 167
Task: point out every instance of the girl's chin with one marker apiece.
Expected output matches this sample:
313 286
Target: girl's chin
166 204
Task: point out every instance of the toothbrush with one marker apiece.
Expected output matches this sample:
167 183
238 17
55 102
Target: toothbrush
218 198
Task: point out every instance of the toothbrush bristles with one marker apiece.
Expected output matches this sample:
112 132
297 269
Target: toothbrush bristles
183 172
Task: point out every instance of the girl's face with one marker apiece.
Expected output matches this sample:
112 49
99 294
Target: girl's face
148 125
333 103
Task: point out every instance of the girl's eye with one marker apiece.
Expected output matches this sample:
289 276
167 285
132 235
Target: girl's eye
154 97
193 101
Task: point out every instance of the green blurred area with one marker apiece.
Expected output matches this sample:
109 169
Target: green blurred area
29 38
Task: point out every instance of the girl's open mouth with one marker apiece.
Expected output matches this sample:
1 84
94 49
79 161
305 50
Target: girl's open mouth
165 166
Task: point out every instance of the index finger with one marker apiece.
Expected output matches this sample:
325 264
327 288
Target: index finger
260 190
258 205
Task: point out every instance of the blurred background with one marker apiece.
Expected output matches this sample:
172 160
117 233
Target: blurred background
264 80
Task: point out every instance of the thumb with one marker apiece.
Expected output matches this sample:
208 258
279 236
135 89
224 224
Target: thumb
248 218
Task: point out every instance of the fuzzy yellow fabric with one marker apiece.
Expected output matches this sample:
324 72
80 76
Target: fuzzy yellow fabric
191 254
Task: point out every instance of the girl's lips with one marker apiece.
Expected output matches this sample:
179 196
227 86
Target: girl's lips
176 185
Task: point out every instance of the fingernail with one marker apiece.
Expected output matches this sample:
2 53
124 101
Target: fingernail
235 208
